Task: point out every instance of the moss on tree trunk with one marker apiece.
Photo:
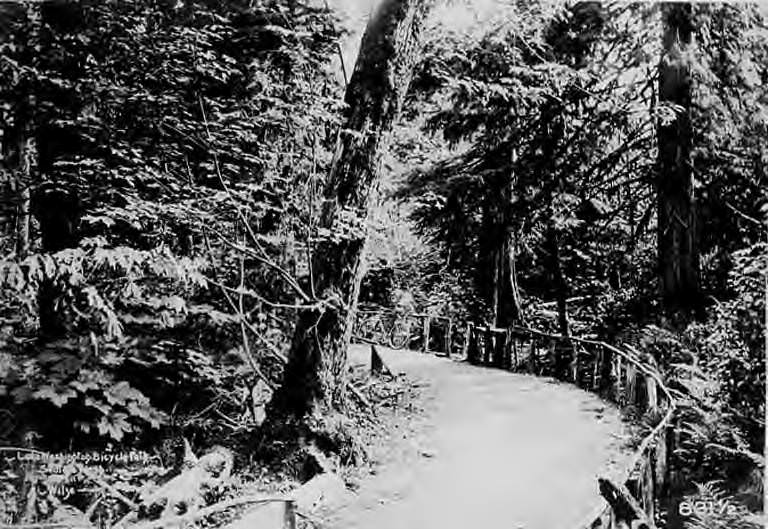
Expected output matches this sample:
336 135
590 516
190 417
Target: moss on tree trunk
315 373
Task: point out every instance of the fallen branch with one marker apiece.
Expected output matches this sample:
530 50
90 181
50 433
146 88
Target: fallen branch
231 422
392 395
755 458
549 304
312 520
359 396
202 513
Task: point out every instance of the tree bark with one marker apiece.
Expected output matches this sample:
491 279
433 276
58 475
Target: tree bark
508 306
20 153
315 373
508 301
20 148
559 280
28 157
677 233
486 283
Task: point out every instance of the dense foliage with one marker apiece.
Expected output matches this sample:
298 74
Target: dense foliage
161 169
192 137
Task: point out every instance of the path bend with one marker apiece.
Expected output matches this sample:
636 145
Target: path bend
493 449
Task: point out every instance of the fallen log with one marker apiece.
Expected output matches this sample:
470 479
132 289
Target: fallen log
356 393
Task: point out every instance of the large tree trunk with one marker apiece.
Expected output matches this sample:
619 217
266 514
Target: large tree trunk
315 373
20 155
507 299
677 236
20 147
508 308
56 207
487 260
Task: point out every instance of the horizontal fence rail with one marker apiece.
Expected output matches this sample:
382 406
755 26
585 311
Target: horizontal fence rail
428 333
616 374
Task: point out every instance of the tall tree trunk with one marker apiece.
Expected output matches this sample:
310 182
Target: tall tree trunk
677 234
28 156
21 148
559 280
315 373
486 283
507 299
20 155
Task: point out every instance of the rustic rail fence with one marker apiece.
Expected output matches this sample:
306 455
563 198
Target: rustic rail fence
421 326
617 375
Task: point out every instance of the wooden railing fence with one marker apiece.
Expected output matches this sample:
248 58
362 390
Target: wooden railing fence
422 326
442 322
617 375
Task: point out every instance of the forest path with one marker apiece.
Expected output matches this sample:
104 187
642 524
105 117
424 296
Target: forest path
490 448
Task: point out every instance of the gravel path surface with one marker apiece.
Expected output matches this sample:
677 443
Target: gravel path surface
489 449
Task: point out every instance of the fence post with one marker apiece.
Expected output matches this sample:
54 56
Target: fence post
641 392
427 328
467 337
597 358
631 385
499 347
575 364
652 404
449 338
487 346
606 371
515 358
649 492
508 349
289 516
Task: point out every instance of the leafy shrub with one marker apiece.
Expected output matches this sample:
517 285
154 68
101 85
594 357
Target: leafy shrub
729 345
180 128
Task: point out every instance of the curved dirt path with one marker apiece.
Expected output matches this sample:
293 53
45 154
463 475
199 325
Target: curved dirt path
489 449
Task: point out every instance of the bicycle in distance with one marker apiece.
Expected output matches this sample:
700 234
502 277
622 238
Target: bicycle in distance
383 326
